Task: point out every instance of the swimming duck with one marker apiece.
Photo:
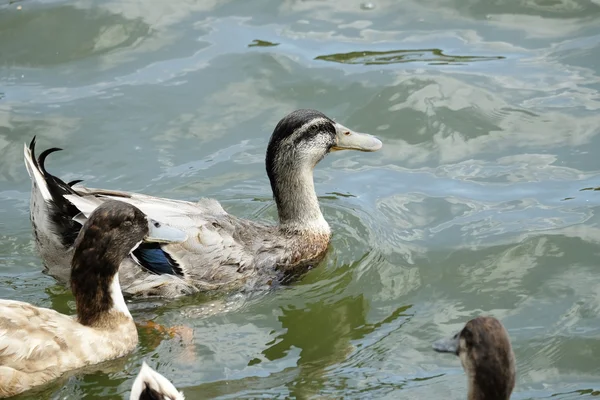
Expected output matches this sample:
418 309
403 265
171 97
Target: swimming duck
150 385
486 355
222 251
38 345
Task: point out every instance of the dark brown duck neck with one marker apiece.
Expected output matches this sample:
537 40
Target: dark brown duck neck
492 376
95 279
488 390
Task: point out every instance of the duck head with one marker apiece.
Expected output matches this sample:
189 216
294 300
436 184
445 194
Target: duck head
300 140
112 231
486 355
150 385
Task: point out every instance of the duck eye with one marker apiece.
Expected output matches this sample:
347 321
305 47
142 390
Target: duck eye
157 224
347 133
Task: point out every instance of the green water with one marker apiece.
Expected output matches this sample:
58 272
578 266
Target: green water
489 115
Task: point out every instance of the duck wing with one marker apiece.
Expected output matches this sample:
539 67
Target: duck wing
178 213
219 247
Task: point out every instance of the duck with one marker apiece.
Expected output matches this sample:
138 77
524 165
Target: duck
223 252
39 345
150 385
486 355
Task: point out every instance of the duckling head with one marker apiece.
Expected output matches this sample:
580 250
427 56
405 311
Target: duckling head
112 231
150 385
486 355
300 140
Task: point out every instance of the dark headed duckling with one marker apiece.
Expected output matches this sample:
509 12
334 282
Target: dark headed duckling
38 345
487 357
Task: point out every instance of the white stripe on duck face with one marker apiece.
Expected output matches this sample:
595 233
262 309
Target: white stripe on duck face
302 130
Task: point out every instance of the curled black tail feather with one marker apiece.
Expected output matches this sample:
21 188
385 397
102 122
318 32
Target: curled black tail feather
60 210
75 182
42 158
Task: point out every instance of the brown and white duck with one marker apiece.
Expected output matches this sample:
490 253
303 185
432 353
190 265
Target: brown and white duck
38 345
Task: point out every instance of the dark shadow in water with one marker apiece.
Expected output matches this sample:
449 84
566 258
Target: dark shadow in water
578 393
335 195
262 43
430 56
586 189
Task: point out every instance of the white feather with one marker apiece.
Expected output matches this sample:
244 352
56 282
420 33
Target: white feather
117 296
147 377
36 174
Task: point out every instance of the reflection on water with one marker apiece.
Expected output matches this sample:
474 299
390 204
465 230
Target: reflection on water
262 43
462 212
429 56
319 336
337 326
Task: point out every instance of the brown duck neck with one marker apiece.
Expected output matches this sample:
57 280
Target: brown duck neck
489 387
95 284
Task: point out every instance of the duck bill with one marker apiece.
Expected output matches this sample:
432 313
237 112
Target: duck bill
347 139
160 233
447 345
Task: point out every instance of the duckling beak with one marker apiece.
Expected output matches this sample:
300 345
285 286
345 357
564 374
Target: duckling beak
447 345
158 232
347 139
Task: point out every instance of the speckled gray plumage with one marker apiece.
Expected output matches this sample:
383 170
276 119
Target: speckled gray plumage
222 252
226 252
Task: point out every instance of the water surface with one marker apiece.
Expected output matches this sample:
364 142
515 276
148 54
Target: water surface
489 116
